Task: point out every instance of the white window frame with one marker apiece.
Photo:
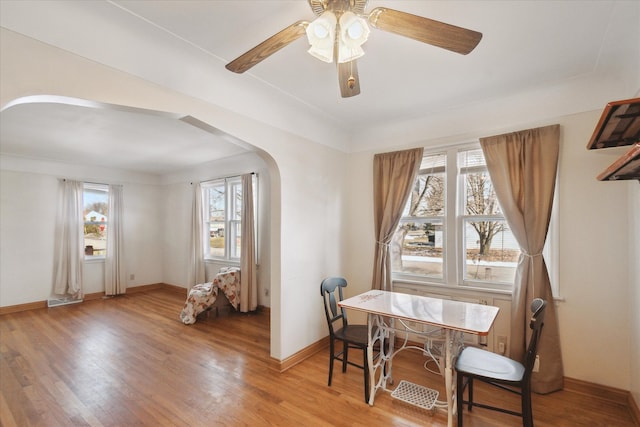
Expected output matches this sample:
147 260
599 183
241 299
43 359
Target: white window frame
454 244
461 217
231 224
96 187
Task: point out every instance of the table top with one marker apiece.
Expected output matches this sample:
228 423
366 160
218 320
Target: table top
458 315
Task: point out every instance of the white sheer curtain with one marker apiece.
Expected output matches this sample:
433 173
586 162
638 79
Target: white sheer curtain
196 256
248 281
69 241
115 272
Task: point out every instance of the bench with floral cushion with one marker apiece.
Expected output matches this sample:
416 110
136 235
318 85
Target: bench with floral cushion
202 296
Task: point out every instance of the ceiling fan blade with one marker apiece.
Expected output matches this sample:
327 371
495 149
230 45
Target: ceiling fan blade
268 47
446 36
349 79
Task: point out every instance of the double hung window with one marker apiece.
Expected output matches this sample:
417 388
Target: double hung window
452 230
96 219
222 204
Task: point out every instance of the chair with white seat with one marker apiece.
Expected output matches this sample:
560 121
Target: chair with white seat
500 371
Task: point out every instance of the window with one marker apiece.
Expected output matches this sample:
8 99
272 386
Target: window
452 229
222 204
418 244
95 214
490 252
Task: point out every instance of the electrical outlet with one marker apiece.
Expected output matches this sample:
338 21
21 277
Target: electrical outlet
502 344
536 364
266 292
132 277
483 301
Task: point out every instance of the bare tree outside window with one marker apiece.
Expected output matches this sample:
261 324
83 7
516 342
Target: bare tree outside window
482 201
486 252
483 223
416 247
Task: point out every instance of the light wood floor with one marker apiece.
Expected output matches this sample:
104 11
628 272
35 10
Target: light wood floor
129 361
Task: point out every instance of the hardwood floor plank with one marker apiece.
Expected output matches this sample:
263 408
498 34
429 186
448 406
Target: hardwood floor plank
129 361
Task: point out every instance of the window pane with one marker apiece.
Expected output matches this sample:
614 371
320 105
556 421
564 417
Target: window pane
96 204
479 195
235 239
223 216
216 203
215 219
491 251
469 159
417 245
427 195
216 238
236 202
416 249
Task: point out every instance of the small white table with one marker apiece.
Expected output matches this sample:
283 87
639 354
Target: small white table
383 308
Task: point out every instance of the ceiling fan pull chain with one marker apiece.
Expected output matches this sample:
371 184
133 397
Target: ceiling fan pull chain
351 81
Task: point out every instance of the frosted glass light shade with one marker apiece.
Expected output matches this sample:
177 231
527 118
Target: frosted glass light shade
321 34
354 32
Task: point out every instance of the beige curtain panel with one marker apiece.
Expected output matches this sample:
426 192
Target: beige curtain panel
69 246
393 176
196 272
523 169
115 270
248 280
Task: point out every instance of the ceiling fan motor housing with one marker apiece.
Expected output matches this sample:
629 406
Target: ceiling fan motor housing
338 6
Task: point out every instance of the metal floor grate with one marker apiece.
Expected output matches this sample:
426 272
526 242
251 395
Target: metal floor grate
62 301
415 394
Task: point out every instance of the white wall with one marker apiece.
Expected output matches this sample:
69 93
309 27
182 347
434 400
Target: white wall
27 237
594 270
157 225
176 224
306 178
157 220
594 238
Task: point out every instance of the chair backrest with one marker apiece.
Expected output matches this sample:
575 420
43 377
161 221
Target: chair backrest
538 308
331 291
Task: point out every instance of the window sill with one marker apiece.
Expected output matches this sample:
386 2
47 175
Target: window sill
458 290
94 259
443 289
234 263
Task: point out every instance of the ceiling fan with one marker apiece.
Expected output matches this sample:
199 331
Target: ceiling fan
342 26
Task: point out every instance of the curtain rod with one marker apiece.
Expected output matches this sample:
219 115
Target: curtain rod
224 177
85 182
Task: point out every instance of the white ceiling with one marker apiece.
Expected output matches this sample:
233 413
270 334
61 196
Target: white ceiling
529 50
121 138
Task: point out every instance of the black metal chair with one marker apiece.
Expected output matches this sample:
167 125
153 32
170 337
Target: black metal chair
351 336
500 371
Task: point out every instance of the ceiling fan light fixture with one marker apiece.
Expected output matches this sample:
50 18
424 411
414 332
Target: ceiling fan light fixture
354 32
342 41
346 54
321 36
